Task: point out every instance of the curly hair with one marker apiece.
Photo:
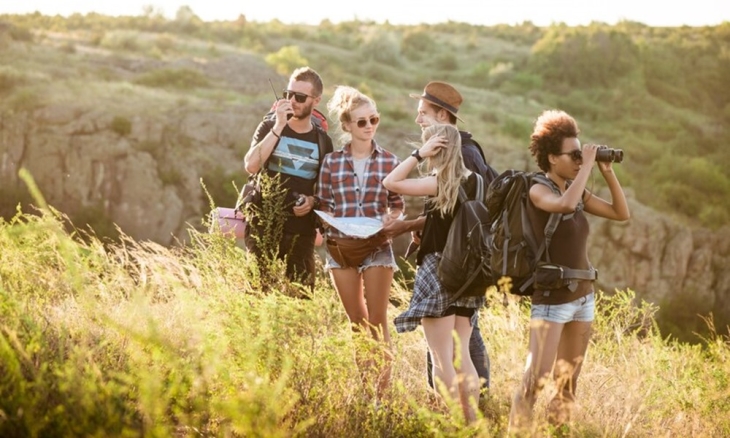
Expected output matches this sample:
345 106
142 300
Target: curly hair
551 128
448 166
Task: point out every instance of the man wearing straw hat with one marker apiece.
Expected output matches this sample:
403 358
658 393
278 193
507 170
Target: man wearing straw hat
439 103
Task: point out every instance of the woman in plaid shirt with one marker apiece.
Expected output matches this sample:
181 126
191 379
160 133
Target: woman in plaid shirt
431 306
350 185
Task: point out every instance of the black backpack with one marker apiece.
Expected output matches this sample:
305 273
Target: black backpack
514 249
464 266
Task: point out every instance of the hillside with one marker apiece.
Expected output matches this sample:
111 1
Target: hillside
120 118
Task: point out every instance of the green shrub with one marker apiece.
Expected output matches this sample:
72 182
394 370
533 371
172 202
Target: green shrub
417 43
446 61
121 125
286 60
21 33
382 48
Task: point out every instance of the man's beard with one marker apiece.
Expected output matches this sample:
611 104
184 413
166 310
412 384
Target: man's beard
306 111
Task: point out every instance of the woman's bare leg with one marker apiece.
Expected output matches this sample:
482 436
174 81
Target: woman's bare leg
378 280
570 355
468 377
440 341
544 341
348 284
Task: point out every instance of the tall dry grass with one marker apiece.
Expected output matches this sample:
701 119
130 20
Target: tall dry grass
135 339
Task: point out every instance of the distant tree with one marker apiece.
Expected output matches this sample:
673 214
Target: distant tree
286 60
186 21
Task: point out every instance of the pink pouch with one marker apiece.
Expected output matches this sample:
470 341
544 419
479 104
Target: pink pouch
229 221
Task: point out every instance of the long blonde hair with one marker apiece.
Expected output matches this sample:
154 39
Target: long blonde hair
447 166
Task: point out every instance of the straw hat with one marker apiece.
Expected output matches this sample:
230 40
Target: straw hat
442 95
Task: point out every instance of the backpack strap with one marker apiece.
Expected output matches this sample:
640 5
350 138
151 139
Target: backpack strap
322 142
553 220
480 190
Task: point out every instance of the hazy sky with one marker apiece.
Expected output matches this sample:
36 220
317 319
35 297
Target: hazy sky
488 12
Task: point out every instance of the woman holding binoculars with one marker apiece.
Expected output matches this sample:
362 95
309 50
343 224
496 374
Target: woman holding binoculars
562 313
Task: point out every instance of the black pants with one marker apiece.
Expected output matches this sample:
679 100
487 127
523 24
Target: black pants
299 253
477 352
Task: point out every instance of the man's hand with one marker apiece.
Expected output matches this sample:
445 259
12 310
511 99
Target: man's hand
305 208
283 111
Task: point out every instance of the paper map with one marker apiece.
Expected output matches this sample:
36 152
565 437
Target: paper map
362 227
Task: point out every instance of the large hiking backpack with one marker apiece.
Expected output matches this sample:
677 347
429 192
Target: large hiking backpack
514 249
464 266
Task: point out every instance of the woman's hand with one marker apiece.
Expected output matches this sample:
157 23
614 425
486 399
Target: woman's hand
432 146
604 166
588 152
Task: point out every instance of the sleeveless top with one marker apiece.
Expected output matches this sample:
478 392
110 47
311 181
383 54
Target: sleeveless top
569 247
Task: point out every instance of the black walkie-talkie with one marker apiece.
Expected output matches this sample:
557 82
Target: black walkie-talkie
288 116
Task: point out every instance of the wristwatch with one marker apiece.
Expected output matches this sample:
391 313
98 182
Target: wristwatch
416 155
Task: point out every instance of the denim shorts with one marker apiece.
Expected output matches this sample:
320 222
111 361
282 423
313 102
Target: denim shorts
582 309
383 256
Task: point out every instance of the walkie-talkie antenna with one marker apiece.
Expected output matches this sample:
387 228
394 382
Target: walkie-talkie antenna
274 90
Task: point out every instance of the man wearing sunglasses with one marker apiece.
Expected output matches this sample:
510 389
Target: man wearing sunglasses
293 146
439 103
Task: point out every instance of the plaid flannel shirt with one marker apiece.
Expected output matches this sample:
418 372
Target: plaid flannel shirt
340 194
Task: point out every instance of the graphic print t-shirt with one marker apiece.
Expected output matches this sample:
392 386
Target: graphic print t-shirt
296 158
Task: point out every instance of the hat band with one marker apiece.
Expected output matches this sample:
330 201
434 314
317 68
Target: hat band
440 103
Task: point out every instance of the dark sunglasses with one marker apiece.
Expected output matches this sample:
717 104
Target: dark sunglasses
575 154
299 97
374 120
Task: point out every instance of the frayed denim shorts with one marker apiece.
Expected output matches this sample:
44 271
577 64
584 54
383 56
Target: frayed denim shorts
583 309
382 257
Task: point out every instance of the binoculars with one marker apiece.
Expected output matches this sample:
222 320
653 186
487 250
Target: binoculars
609 155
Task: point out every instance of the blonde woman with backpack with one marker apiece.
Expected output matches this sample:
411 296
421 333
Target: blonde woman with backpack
562 310
431 306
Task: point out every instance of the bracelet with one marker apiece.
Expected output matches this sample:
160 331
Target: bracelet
275 134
